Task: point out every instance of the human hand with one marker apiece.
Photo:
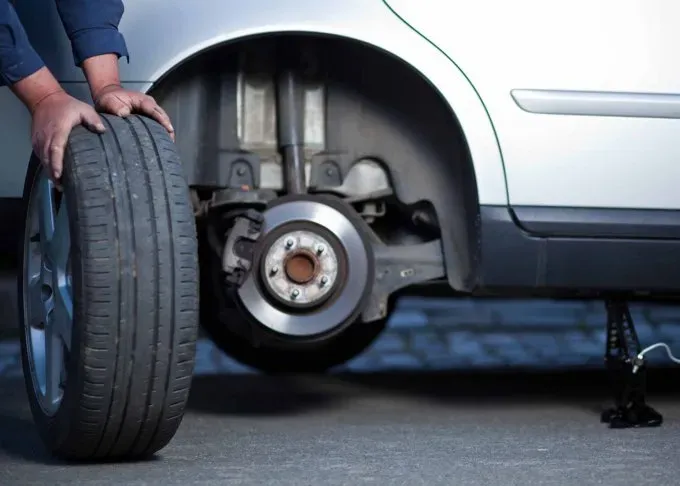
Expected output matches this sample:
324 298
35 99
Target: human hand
118 101
53 119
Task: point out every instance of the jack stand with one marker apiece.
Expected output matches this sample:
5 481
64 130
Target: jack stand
628 372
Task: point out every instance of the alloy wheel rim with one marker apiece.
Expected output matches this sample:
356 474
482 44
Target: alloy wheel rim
47 292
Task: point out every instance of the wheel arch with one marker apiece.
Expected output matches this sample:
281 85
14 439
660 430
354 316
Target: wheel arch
395 38
483 183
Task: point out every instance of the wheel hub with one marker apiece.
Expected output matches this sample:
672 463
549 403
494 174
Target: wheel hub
312 270
300 268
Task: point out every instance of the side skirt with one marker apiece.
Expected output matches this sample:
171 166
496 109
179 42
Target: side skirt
534 251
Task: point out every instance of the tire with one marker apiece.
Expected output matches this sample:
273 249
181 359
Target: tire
217 316
134 279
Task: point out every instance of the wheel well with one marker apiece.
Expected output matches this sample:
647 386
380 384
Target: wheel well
361 104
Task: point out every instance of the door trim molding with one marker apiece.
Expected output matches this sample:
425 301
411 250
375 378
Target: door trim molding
598 103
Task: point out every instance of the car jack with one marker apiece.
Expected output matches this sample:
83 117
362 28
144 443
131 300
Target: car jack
627 367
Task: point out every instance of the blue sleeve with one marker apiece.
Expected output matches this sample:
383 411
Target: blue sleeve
92 27
17 58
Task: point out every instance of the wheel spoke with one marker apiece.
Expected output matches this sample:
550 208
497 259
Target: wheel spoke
60 244
45 213
62 317
54 362
36 303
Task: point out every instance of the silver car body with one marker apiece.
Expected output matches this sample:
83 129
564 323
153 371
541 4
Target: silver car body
570 107
513 72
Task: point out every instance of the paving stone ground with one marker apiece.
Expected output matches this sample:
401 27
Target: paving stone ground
436 334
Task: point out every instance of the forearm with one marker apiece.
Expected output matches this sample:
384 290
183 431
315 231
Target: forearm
34 88
92 27
101 72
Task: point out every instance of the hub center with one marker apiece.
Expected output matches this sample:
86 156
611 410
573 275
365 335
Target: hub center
301 267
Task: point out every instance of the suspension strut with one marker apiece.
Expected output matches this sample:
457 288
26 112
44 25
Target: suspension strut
290 121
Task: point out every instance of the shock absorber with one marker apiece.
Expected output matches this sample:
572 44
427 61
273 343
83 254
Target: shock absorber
290 122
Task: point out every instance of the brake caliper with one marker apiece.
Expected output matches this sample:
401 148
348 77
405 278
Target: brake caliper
237 257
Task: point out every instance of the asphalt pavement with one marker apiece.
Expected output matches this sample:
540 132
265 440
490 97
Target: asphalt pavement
452 429
454 393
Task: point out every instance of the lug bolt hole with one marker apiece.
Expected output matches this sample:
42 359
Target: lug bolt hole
46 292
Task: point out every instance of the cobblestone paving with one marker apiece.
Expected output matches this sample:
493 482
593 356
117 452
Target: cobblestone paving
439 334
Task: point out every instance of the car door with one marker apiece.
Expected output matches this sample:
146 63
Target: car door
584 95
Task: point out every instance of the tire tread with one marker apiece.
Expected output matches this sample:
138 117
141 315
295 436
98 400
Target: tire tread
137 310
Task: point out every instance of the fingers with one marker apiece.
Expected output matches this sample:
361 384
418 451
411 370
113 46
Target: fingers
41 147
150 108
123 102
56 148
41 144
111 103
92 121
50 145
52 124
